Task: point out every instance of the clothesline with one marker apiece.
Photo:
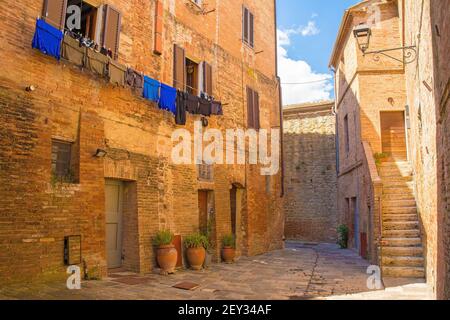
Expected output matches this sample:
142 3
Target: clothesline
51 41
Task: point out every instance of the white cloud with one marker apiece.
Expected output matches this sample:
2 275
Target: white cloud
310 30
292 72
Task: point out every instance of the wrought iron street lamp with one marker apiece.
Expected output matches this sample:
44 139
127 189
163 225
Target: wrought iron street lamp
363 33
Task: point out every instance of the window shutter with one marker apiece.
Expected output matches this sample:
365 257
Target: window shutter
256 110
179 68
158 27
250 118
245 24
111 32
55 13
207 78
251 29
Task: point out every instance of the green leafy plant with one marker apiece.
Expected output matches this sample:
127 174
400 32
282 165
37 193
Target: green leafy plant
342 231
229 240
196 240
163 238
379 157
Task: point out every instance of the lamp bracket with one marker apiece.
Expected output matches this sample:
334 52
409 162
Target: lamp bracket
409 54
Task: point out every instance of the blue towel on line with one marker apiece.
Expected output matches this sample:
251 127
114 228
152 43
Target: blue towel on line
151 89
168 98
47 39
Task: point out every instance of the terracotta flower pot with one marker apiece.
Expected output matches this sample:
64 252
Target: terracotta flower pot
228 254
196 257
167 257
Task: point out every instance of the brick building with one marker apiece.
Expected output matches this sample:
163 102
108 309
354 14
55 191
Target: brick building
123 187
310 168
392 145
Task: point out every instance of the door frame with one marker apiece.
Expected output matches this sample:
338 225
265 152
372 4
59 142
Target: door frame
405 127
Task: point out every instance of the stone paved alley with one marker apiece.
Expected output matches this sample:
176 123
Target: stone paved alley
301 271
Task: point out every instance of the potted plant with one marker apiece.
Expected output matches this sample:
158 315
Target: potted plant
196 245
343 236
229 248
166 254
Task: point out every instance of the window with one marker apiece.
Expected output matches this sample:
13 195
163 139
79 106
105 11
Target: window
101 24
253 109
197 2
207 79
191 77
248 27
347 136
205 172
61 159
88 18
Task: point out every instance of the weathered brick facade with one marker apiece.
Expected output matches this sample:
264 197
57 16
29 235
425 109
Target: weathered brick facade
365 87
310 167
73 105
381 83
427 82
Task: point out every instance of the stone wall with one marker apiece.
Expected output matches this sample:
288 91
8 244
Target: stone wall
310 168
76 106
427 83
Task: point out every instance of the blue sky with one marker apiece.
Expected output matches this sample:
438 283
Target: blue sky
307 31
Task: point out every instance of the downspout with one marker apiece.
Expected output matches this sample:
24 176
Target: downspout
335 113
280 99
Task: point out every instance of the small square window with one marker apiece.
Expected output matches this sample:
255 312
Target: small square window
61 159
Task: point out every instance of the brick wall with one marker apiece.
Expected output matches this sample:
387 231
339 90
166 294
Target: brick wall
73 105
366 85
427 85
310 168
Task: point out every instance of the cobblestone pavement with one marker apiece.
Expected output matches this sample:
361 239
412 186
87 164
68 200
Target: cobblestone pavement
301 271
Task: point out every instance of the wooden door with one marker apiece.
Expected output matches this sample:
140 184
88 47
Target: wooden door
113 207
393 135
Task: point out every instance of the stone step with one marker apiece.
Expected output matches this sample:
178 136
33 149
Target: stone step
402 251
398 203
396 180
401 225
400 210
402 242
404 187
413 233
396 261
404 272
400 217
393 172
395 163
398 196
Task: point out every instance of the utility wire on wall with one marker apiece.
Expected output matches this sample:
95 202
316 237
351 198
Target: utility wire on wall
308 82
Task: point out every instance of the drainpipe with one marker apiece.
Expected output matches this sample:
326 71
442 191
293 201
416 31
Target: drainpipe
280 99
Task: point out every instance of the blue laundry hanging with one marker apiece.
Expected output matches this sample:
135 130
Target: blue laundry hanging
47 39
151 89
168 98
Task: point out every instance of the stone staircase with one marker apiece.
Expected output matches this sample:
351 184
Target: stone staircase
402 251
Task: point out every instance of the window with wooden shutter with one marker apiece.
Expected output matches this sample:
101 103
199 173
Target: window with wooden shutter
248 21
253 120
158 43
179 68
256 110
245 24
207 79
250 119
111 32
251 29
54 13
